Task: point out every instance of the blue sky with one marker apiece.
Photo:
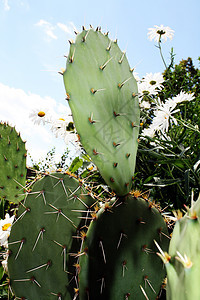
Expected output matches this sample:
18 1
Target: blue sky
34 38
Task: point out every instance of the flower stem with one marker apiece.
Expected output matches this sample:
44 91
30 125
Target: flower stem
189 126
159 47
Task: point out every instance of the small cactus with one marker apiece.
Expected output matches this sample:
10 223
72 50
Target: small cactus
13 164
183 260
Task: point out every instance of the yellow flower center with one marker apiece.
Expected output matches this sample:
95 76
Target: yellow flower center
6 226
61 119
41 114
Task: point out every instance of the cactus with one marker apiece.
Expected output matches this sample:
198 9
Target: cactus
119 259
42 237
52 253
13 164
183 260
102 95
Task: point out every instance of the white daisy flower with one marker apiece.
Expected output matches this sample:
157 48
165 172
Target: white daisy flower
5 228
164 117
155 80
169 103
160 32
150 132
144 104
144 89
65 128
183 96
40 116
61 126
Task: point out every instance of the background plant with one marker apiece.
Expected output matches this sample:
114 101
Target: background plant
168 162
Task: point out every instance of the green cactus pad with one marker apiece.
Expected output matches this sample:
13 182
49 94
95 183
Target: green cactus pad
13 164
183 269
120 260
41 238
101 91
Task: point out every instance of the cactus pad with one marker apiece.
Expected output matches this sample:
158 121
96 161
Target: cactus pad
183 268
42 237
13 164
102 95
120 260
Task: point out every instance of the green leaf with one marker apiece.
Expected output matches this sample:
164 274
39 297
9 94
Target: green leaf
187 182
85 174
164 182
149 178
176 162
76 164
2 208
1 272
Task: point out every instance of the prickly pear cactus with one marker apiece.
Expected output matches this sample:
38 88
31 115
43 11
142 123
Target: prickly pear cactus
102 95
183 264
42 237
13 164
119 258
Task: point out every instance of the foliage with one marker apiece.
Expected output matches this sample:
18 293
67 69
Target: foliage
49 164
169 167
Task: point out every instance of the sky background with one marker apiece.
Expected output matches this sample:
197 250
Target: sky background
34 38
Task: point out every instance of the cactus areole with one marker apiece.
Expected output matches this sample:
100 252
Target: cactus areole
101 92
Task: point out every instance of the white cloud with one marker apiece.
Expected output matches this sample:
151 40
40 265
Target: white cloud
42 22
65 28
48 29
15 107
51 31
6 5
23 4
